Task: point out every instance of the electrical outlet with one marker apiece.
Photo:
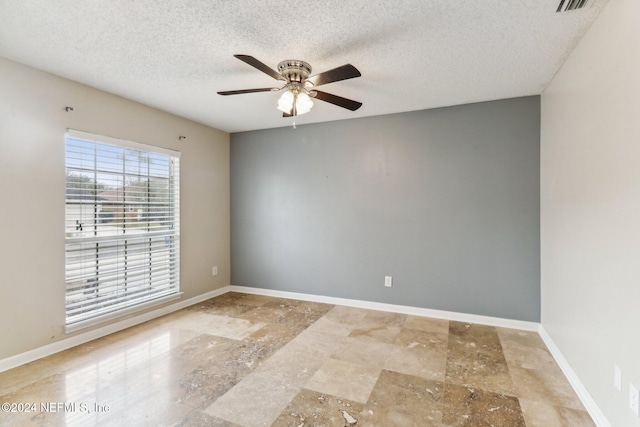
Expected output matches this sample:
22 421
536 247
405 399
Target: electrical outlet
617 378
214 271
388 281
634 399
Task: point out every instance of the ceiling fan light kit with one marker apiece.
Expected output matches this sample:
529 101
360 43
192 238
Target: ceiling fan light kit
299 86
291 100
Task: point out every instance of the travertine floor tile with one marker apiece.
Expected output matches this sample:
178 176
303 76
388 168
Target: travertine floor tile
319 343
525 349
419 350
222 363
471 331
293 366
136 368
364 352
345 380
226 308
347 315
384 318
479 370
228 298
150 409
377 332
331 326
527 357
313 409
539 414
339 320
426 363
13 380
521 338
416 339
281 303
546 386
42 391
274 336
547 398
255 300
465 406
307 307
222 326
246 356
298 319
310 307
379 326
194 353
202 419
201 387
475 359
404 400
427 324
243 360
152 341
254 402
262 314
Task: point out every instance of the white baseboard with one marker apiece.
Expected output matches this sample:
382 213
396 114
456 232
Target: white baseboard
588 402
58 346
49 349
417 311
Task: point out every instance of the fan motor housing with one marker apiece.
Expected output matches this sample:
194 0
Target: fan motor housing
294 70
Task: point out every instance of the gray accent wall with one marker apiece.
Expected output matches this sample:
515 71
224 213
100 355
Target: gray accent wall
446 201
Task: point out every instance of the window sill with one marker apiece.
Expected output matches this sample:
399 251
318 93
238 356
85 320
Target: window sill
121 313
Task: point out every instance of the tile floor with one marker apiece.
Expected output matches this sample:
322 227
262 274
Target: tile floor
249 360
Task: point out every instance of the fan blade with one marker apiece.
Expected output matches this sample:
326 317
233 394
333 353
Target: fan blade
260 66
345 72
338 100
238 92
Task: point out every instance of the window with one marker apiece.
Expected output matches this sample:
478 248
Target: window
122 225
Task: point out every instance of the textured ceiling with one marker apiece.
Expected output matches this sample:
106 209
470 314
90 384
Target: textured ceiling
413 54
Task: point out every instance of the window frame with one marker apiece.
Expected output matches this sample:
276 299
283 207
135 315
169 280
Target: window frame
166 231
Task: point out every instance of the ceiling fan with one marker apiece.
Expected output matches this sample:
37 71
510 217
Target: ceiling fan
300 88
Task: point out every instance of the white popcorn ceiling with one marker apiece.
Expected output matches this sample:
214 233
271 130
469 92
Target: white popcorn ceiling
413 54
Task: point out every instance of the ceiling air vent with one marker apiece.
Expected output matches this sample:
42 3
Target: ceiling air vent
569 5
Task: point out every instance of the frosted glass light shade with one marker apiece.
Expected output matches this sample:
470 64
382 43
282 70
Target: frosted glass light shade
285 103
302 100
303 103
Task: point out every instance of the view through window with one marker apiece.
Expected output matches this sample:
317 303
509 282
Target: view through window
122 225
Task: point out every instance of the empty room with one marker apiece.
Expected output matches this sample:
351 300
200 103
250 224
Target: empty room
260 213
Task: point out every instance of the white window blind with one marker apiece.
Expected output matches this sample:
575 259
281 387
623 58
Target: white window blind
122 224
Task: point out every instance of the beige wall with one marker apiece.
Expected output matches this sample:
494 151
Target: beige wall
590 208
32 127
